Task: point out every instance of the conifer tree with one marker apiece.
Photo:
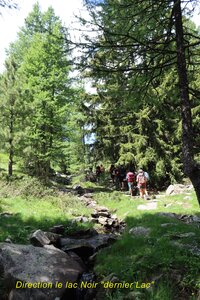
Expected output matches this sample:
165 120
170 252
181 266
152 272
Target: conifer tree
41 53
10 111
142 41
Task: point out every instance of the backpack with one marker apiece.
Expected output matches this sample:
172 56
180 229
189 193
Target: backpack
147 176
130 177
122 172
141 178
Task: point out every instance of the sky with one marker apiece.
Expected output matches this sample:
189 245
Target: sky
11 20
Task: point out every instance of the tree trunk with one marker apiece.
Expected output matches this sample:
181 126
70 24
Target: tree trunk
191 168
11 148
11 154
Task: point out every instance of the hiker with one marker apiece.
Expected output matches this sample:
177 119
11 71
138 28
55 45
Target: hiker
122 177
98 173
117 178
102 168
130 177
112 173
102 174
142 184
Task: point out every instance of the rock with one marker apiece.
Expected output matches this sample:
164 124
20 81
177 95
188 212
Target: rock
148 206
36 265
194 249
101 213
187 198
91 204
93 220
21 294
62 179
116 224
83 233
78 189
89 293
101 208
160 196
80 219
59 229
85 220
86 247
88 195
195 219
76 258
168 205
187 234
6 214
53 237
8 240
175 189
39 239
168 224
190 187
95 215
168 215
110 221
92 259
139 231
102 220
170 189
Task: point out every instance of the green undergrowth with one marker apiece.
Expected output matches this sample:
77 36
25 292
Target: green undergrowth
3 161
163 257
27 205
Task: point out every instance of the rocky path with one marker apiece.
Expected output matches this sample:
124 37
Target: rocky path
51 266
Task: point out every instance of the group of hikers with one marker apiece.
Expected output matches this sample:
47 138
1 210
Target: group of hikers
126 179
135 181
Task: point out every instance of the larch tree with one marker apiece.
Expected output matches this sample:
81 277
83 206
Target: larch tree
142 40
41 52
11 112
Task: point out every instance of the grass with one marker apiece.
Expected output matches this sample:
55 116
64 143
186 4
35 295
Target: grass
162 257
157 257
31 206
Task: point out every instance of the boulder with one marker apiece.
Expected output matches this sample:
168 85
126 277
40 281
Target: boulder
38 267
86 247
170 189
175 189
39 239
